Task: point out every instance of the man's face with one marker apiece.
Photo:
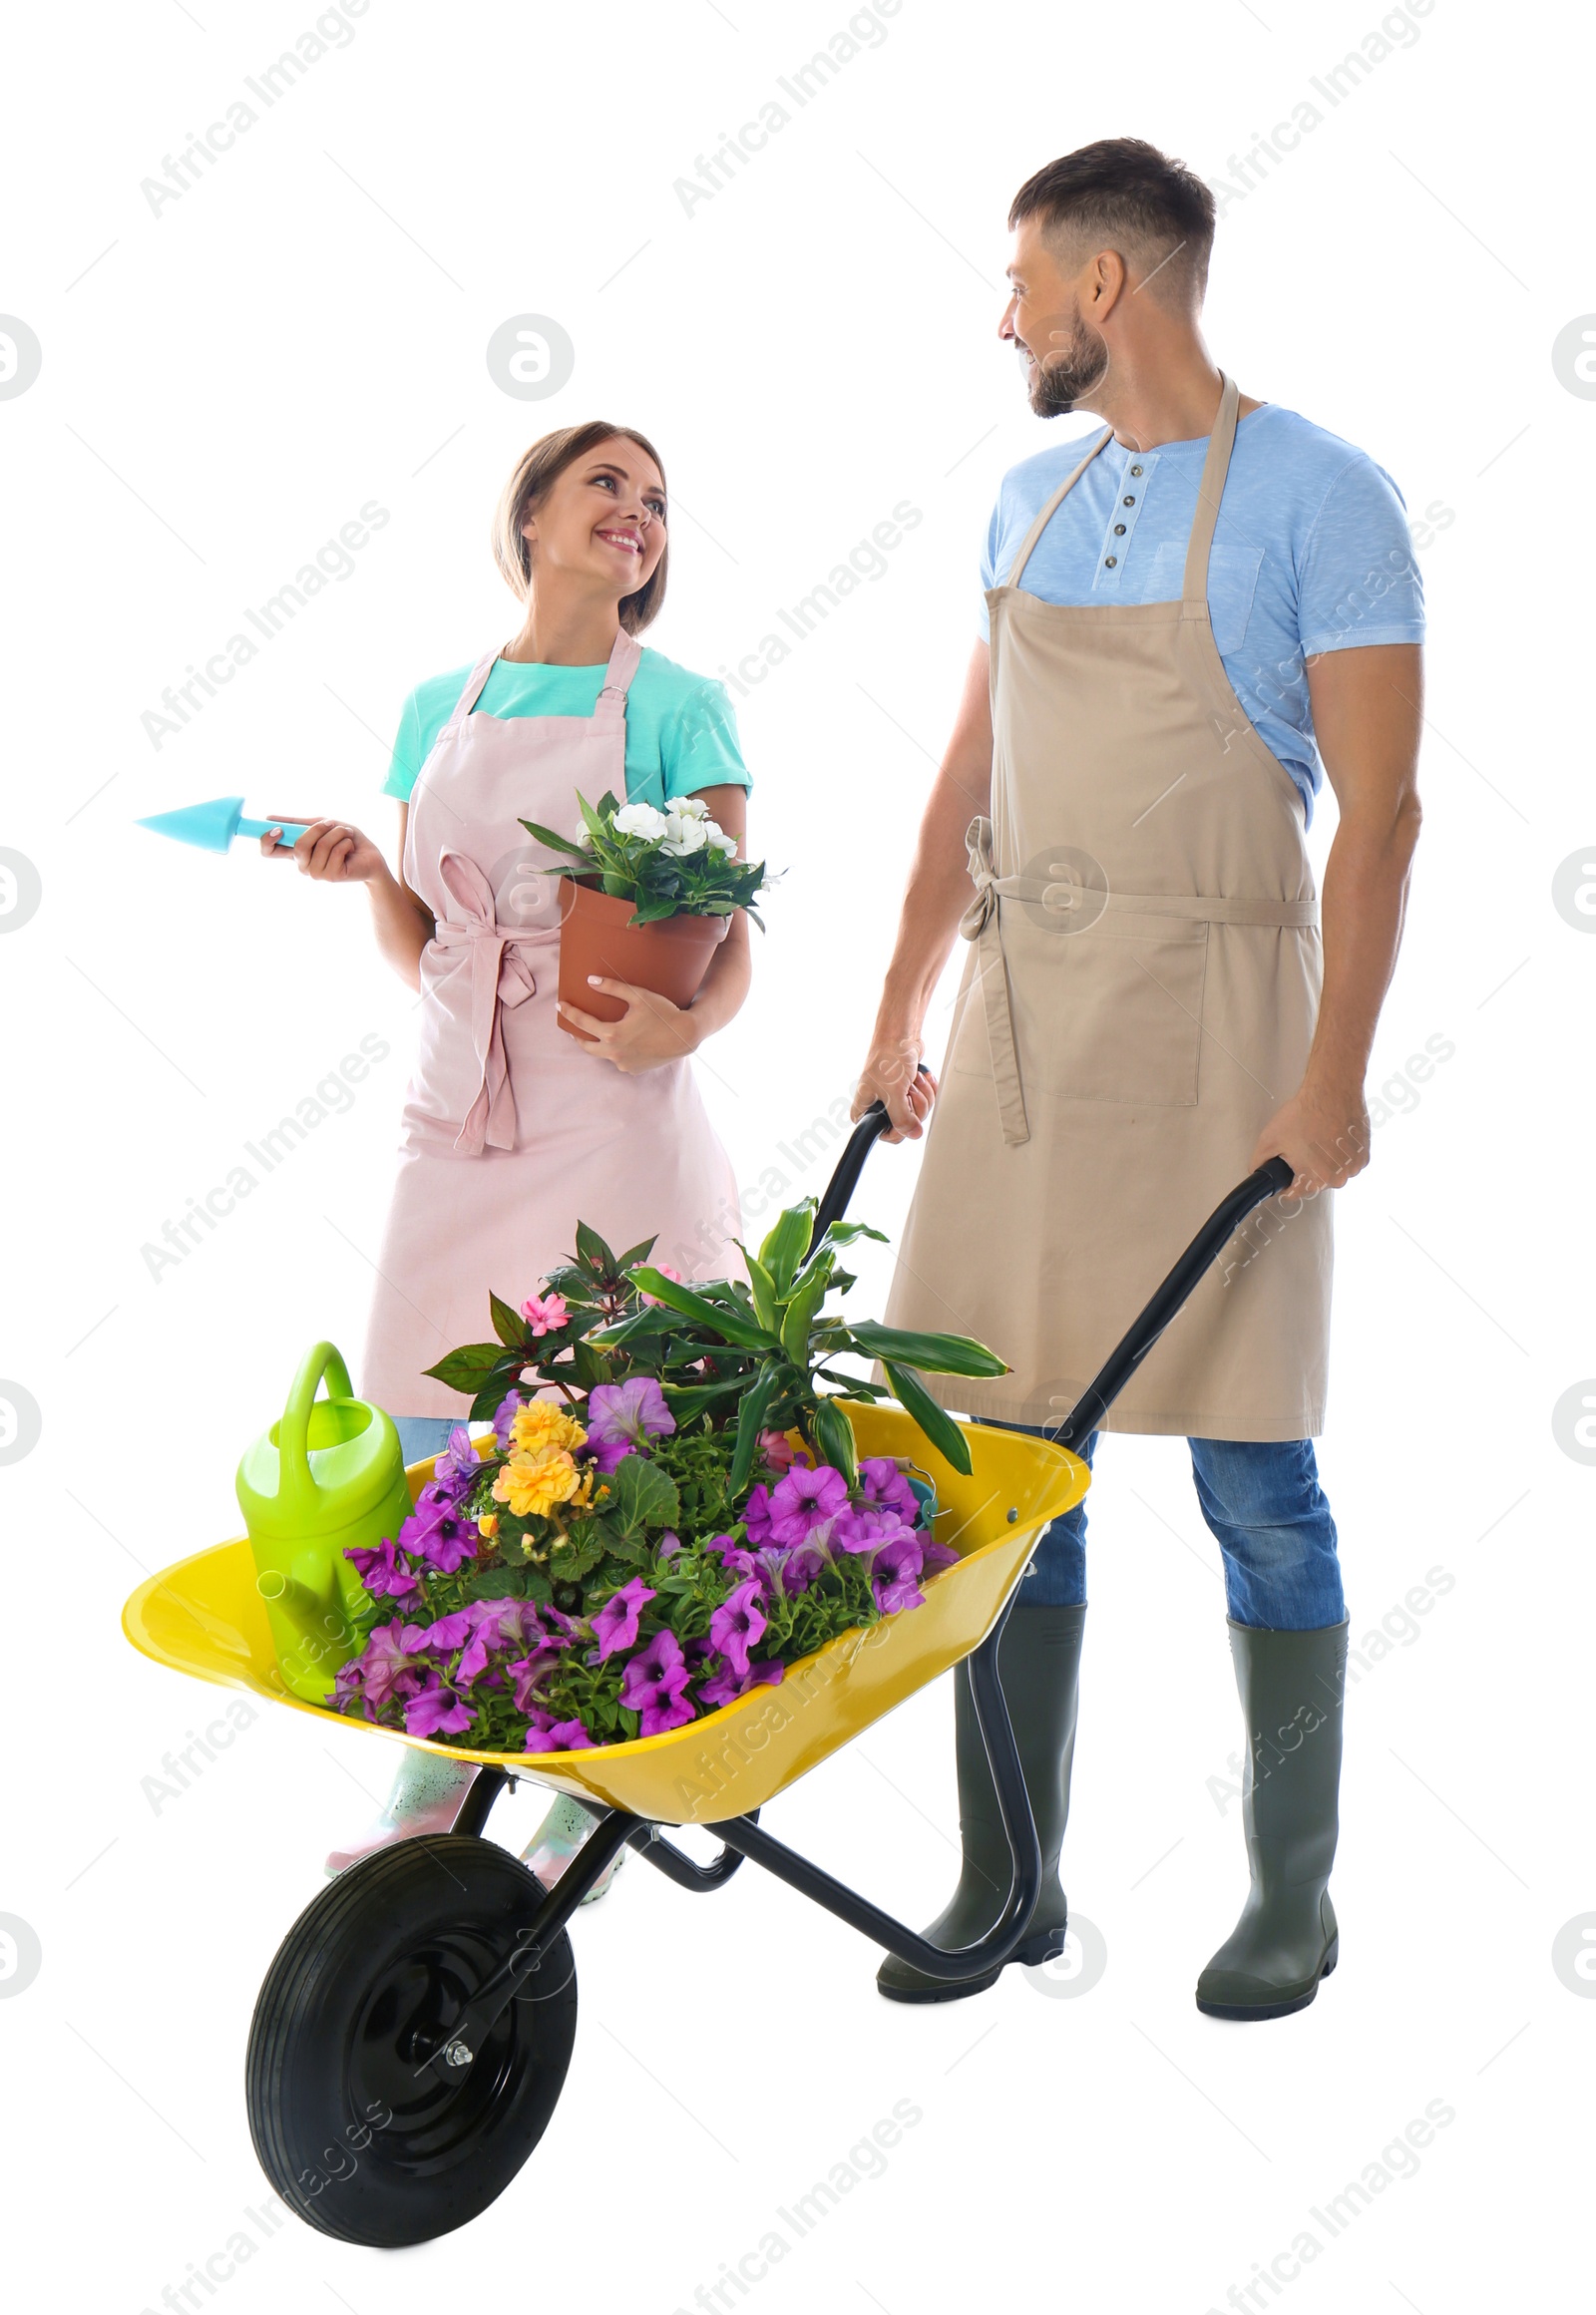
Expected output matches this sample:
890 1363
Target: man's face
1062 358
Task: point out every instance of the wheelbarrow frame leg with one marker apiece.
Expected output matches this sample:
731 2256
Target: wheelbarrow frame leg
1009 1930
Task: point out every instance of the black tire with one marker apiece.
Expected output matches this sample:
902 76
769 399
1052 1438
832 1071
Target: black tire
394 1948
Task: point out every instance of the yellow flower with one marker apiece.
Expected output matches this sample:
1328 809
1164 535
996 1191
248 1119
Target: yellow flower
543 1423
488 1525
534 1484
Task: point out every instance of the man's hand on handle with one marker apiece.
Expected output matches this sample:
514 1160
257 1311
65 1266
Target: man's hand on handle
891 1077
1323 1134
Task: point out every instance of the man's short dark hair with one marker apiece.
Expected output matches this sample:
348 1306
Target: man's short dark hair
1157 213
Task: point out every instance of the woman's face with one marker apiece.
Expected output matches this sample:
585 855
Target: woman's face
603 518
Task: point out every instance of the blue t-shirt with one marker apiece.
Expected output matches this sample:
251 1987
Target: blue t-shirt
1311 554
682 734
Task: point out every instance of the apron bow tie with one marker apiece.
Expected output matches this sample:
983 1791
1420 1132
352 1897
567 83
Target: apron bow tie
499 977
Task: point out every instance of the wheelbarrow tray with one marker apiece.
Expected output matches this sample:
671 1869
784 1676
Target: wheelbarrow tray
203 1616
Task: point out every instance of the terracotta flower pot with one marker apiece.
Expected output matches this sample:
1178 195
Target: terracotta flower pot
596 936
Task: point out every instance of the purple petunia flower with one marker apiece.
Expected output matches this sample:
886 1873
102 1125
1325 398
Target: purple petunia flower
737 1624
546 1736
864 1529
802 1566
894 1573
509 1408
615 1624
456 1470
623 1417
884 1483
527 1672
657 1719
437 1710
652 1685
438 1534
757 1516
383 1573
387 1662
733 1556
803 1500
727 1684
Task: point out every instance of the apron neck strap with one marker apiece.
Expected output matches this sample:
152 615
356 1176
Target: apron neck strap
610 710
1194 586
472 692
1047 515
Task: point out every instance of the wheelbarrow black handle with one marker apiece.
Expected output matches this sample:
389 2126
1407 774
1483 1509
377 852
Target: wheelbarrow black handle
845 1180
1211 1240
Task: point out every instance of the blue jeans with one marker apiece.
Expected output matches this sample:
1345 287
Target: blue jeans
421 1435
1264 1504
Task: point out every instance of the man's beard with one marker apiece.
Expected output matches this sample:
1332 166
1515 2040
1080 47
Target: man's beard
1067 372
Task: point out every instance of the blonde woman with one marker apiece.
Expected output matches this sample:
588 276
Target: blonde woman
513 1130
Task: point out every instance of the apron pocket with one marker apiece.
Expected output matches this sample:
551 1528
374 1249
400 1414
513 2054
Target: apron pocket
1113 1014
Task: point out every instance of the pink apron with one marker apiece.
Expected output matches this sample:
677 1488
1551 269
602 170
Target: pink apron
512 1133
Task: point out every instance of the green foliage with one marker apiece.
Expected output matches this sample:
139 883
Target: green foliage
645 863
729 1354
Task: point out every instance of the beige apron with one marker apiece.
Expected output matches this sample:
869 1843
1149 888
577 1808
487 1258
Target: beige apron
1139 999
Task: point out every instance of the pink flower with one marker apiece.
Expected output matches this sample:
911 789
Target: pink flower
544 1314
776 1451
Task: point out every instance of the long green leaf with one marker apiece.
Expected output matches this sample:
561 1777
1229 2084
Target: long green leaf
802 1311
787 1242
745 1332
936 1423
834 1436
932 1353
591 820
762 1286
750 1421
556 842
688 1400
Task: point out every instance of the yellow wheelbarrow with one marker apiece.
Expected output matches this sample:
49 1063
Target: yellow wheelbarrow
412 2037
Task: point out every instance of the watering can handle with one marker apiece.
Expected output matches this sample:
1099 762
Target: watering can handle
295 1482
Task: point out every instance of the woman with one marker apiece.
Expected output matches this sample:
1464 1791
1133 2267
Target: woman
514 1130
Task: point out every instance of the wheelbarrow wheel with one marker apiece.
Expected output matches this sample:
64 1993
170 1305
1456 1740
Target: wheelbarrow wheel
356 2132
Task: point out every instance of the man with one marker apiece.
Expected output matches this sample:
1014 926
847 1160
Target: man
1194 615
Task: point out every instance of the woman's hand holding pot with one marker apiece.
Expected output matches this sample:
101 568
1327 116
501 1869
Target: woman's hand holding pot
650 1032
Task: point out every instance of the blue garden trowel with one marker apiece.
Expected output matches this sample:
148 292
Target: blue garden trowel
213 826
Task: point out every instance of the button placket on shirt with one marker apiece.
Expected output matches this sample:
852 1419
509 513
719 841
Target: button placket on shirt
1129 498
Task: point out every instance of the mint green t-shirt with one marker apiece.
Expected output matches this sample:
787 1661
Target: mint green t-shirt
682 734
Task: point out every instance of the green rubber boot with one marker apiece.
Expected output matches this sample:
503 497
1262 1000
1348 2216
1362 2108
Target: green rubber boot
1039 1663
1292 1686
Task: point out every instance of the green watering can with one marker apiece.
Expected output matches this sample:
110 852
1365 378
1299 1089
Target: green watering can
328 1478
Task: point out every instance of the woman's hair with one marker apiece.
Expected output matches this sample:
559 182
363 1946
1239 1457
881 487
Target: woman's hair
536 470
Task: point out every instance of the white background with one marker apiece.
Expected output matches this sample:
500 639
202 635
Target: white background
222 389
